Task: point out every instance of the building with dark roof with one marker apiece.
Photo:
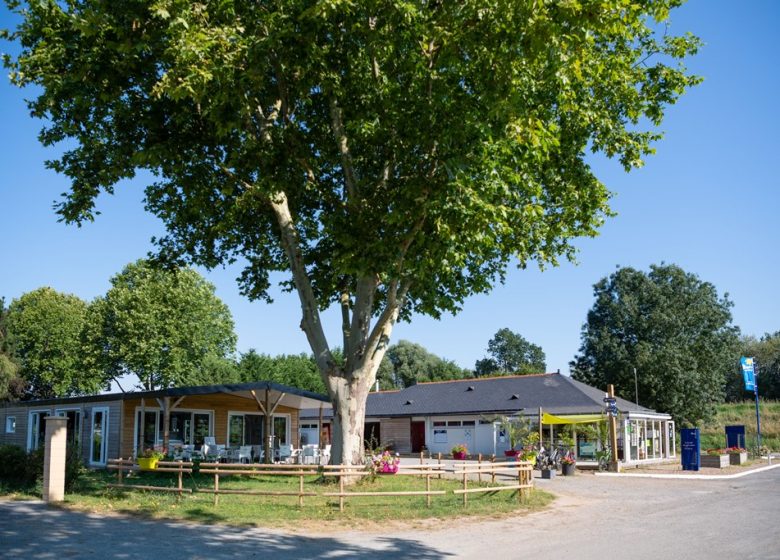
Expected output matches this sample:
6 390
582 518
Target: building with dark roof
260 414
435 416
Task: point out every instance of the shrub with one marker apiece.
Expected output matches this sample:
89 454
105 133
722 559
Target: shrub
13 467
22 470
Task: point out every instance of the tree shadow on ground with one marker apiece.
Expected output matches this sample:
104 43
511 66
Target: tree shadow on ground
32 530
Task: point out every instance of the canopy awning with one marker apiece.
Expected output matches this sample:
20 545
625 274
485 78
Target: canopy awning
548 418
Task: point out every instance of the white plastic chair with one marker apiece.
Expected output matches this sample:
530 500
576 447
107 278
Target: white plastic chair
245 452
310 454
285 452
325 455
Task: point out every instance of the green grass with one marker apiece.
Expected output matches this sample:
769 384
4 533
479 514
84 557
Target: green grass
91 494
713 434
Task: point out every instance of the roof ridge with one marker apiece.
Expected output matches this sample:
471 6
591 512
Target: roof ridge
477 379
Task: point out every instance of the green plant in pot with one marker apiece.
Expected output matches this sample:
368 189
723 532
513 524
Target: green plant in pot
459 451
149 458
517 430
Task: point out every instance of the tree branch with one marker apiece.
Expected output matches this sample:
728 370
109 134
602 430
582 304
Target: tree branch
361 318
343 147
310 321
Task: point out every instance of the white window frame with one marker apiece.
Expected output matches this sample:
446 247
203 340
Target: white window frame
158 436
30 427
61 411
104 428
10 424
288 427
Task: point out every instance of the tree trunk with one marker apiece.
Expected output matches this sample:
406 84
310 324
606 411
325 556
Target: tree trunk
349 395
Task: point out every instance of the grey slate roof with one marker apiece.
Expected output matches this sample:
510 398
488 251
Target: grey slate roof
555 393
231 388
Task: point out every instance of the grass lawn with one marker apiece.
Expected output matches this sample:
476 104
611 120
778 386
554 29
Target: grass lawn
712 434
318 512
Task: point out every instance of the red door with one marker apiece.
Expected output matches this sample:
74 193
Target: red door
418 436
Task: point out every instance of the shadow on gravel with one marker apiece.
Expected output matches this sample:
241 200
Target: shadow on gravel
31 530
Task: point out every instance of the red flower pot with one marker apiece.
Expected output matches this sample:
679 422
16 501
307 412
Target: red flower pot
459 455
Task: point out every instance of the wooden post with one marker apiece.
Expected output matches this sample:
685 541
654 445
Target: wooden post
614 464
300 489
520 477
142 427
440 466
479 466
269 427
180 480
166 422
540 427
341 492
428 487
119 471
320 441
465 487
422 458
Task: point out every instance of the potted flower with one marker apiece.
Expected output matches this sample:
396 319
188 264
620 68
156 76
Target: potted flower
715 458
148 459
459 451
737 455
567 465
518 432
386 463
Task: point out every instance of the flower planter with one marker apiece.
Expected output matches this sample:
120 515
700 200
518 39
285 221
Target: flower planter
459 455
511 454
738 458
568 469
388 469
715 461
548 473
148 463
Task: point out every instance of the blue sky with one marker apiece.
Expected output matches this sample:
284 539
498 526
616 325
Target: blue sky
707 201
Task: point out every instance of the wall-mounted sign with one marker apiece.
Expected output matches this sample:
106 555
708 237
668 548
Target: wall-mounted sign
439 436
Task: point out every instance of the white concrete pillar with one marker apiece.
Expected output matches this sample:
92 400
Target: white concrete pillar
54 458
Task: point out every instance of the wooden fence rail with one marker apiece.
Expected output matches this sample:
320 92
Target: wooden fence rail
231 469
414 470
523 469
122 466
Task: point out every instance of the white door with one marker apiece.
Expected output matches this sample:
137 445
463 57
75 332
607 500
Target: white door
98 444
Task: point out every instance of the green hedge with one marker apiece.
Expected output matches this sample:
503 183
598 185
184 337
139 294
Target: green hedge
20 470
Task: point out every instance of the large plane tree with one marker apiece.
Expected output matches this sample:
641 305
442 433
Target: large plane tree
394 156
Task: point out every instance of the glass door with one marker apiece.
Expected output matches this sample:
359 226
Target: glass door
99 437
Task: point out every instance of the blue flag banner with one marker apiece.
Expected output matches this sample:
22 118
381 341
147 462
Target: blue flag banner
748 373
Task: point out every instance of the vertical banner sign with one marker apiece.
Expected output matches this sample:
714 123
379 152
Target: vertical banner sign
748 373
691 451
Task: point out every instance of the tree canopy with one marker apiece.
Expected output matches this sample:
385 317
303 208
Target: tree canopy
669 325
394 157
164 326
766 352
11 385
295 370
412 364
510 353
44 328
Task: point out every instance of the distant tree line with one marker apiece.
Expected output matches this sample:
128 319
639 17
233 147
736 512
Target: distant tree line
168 328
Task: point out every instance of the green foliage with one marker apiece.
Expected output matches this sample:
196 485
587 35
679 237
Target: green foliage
510 353
411 364
396 157
432 144
294 370
165 326
766 352
22 470
673 328
44 329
